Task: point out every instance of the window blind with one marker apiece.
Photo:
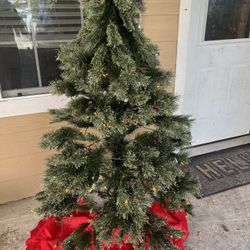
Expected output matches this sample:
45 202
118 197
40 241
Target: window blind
58 21
39 20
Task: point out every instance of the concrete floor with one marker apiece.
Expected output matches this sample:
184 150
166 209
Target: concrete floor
220 222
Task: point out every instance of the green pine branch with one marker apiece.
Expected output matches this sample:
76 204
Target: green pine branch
122 147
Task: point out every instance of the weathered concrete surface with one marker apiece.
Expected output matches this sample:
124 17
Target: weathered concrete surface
220 222
16 220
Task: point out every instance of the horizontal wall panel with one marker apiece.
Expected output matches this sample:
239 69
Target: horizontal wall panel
21 144
21 159
161 28
168 55
26 123
23 166
18 124
162 7
160 23
20 188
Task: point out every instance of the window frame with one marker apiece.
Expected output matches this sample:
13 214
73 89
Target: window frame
13 93
203 24
32 104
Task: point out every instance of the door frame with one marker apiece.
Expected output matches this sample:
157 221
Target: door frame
182 49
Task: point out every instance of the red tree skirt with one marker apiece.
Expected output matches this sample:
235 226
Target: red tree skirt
50 233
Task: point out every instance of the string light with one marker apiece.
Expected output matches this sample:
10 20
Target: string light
154 189
105 125
158 87
105 74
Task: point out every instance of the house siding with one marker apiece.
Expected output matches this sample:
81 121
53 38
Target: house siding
160 23
22 162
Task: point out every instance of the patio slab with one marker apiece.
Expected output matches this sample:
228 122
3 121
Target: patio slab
220 222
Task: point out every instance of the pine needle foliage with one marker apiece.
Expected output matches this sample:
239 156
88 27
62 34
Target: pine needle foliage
122 146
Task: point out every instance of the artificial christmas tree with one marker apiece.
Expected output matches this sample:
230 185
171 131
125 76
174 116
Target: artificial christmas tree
122 148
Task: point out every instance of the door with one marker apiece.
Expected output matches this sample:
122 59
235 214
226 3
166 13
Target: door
216 86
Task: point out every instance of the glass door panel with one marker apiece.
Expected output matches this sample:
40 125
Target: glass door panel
228 19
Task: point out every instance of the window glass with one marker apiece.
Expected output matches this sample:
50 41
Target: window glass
17 59
30 34
17 68
228 19
49 69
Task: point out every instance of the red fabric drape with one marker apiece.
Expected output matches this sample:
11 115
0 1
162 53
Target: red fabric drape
50 233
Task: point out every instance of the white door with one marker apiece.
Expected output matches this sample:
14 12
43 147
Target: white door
215 80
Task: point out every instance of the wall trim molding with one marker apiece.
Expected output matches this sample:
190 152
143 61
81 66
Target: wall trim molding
182 49
219 145
25 105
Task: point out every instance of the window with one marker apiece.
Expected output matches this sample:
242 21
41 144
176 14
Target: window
228 19
30 35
